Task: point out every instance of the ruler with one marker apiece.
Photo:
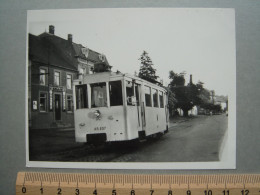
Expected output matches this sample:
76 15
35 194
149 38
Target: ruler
38 183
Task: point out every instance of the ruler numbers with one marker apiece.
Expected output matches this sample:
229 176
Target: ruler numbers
70 184
208 192
225 192
132 192
114 192
245 192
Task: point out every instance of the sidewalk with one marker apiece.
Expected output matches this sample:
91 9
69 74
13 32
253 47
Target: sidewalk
47 141
48 130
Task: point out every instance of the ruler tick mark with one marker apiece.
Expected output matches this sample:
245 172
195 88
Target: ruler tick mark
34 181
23 181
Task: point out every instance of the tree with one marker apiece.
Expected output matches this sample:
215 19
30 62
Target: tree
177 79
200 85
186 96
147 72
204 94
171 101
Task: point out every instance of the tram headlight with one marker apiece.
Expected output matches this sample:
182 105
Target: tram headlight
97 114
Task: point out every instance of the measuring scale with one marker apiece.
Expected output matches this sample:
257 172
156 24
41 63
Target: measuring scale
34 183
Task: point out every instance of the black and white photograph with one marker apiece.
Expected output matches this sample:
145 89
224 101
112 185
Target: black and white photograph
131 88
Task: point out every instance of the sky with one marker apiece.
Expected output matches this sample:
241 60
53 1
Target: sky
198 41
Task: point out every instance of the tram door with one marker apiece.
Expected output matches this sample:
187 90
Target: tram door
140 111
57 101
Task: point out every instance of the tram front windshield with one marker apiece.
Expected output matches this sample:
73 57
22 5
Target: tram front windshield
98 96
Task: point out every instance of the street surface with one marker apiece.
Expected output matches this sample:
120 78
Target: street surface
194 139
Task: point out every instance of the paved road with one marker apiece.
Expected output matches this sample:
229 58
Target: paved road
194 140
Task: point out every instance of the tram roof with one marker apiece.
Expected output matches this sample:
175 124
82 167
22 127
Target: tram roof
110 76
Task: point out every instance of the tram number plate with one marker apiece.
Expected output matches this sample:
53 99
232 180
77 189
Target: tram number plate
99 128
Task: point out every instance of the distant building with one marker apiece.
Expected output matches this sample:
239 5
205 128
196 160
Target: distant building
53 64
222 101
191 112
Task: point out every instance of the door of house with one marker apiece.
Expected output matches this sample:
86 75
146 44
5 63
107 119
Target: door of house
57 101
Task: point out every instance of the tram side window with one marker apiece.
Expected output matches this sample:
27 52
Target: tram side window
81 96
115 93
129 92
155 97
147 91
98 95
161 99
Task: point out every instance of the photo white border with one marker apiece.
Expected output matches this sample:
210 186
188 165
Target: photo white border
227 150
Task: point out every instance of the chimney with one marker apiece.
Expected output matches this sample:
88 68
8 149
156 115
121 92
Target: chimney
190 79
70 38
51 29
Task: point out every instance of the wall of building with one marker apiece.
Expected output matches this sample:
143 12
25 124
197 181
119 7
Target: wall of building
46 119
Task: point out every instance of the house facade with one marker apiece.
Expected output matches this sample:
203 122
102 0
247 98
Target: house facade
53 64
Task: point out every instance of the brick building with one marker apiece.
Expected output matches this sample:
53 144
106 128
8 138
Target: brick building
53 64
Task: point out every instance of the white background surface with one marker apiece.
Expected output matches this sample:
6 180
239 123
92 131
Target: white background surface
199 41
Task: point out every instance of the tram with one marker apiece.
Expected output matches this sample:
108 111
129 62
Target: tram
112 107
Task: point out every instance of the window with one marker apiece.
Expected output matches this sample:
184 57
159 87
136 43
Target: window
155 97
115 93
57 78
98 95
69 103
161 99
69 81
43 102
91 69
42 76
81 96
82 71
129 92
147 91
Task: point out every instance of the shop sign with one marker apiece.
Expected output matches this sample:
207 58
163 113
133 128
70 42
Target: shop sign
56 88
